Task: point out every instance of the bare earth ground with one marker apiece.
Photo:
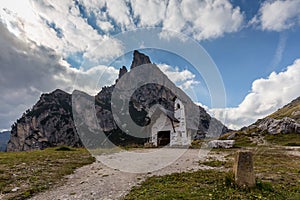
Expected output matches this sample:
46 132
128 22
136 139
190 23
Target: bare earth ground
97 181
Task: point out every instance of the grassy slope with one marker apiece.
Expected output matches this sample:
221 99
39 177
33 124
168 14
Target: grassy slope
288 111
291 139
36 171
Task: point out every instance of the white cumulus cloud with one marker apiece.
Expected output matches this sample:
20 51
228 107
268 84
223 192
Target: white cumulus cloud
70 27
58 25
27 70
149 12
278 15
211 19
266 96
184 79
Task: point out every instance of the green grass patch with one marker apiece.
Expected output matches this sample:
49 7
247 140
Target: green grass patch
196 144
242 140
207 184
277 178
37 171
64 148
291 139
214 163
287 111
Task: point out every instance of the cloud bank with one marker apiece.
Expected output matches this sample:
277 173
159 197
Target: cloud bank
27 70
266 96
278 15
78 27
184 79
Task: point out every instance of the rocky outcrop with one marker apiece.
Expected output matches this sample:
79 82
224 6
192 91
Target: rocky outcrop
276 126
139 59
123 70
225 144
284 121
103 109
50 121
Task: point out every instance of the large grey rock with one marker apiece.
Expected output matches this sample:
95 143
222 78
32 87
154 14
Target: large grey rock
276 126
226 144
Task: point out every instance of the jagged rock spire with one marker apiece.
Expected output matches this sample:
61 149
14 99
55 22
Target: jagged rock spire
122 71
139 59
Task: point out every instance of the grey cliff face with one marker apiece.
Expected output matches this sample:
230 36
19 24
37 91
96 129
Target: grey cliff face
122 71
49 123
139 59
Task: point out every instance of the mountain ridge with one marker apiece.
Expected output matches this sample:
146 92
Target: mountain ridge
291 110
50 121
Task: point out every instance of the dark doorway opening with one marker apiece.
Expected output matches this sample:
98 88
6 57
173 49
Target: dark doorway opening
163 138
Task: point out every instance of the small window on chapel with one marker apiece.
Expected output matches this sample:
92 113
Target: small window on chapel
178 106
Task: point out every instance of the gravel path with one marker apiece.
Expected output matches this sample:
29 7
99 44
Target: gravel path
98 181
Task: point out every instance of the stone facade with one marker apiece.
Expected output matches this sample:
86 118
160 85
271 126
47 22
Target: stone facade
169 128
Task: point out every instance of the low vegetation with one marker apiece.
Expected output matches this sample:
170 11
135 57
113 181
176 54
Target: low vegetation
291 110
277 178
196 144
291 139
242 140
207 184
215 163
23 174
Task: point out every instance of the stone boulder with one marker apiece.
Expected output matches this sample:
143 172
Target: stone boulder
225 144
276 126
243 169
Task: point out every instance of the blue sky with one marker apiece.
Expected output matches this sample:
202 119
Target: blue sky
250 54
252 45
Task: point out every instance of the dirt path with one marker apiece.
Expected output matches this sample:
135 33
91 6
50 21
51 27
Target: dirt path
97 181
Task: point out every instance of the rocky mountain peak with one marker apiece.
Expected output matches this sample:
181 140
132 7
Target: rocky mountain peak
139 59
122 71
50 121
53 95
58 92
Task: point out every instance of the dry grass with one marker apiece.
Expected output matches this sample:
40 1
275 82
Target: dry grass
35 171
